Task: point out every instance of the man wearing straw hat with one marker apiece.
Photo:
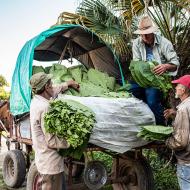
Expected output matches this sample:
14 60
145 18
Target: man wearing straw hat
49 163
153 47
180 139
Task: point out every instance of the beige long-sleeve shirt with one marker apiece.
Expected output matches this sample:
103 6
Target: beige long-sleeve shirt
180 140
163 51
47 159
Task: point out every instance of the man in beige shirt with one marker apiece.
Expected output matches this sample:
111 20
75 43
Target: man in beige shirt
49 163
180 140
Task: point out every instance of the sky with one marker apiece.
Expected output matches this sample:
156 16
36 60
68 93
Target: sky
21 20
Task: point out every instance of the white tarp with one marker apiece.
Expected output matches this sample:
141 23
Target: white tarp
118 121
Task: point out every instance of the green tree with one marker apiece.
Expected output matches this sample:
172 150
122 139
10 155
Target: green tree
3 81
115 20
4 95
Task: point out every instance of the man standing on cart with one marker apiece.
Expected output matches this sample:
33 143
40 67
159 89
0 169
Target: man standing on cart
49 163
153 47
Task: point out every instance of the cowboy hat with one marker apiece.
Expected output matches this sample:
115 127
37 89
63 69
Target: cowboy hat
146 26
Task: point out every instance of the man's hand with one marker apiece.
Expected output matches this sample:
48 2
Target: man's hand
73 84
160 69
169 113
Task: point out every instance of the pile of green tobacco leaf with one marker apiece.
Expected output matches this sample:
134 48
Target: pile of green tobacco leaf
70 120
92 82
155 132
142 73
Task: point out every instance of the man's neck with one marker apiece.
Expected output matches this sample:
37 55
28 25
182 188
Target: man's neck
45 95
185 96
150 45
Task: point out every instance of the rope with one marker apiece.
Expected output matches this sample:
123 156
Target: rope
120 69
167 164
63 52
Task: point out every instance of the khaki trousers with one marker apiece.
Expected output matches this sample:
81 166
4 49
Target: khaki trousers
52 182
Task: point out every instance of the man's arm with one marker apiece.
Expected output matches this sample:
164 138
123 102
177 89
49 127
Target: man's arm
135 51
64 86
180 137
172 63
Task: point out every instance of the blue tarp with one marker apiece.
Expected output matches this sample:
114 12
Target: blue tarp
20 90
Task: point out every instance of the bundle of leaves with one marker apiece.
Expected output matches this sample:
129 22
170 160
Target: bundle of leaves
142 73
37 69
121 94
89 89
59 73
101 79
92 82
72 121
76 73
155 132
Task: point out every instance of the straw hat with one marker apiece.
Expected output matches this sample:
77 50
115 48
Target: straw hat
146 26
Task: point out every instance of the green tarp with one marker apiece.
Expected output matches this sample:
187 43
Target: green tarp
49 46
20 90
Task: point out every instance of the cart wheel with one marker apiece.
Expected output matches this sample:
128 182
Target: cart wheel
32 178
95 175
14 168
137 172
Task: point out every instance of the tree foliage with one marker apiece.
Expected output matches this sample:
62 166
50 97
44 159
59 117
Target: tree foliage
100 18
4 95
3 81
114 21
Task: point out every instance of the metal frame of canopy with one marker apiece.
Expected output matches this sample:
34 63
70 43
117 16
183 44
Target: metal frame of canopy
82 45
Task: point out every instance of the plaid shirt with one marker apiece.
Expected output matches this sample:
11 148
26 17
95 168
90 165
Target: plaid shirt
180 140
163 51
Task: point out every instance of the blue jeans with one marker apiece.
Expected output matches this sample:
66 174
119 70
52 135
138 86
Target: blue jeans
151 96
183 174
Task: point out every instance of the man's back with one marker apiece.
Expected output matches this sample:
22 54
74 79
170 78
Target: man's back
48 161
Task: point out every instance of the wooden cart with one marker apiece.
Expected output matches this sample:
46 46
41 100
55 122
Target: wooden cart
130 171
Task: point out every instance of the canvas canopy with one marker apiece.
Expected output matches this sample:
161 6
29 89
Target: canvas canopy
60 42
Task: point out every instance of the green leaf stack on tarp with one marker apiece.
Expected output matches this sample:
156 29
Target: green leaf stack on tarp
72 121
142 73
155 132
92 82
